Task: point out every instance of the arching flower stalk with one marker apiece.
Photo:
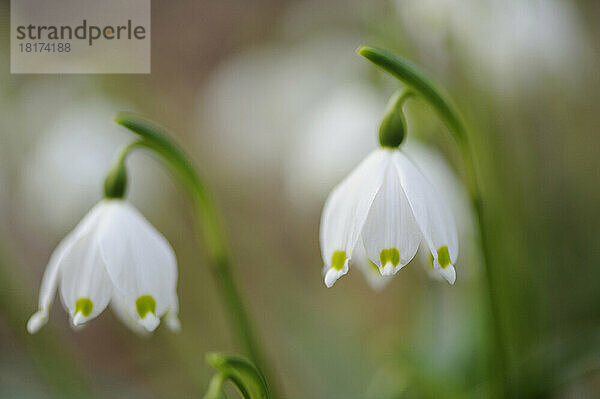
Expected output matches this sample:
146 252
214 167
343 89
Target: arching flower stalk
388 206
115 256
417 81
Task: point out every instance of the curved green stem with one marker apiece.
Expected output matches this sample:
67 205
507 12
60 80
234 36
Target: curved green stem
156 139
215 387
409 74
246 377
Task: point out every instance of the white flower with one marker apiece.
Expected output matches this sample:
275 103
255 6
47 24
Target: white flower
114 255
437 170
389 206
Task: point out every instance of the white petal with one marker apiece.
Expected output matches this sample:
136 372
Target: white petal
390 227
448 273
333 274
78 319
139 260
173 322
85 287
52 272
431 210
126 314
426 260
439 173
37 321
346 210
437 170
149 322
369 269
172 316
435 271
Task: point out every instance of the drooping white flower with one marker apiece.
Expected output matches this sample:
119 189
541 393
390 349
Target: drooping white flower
437 170
390 207
114 255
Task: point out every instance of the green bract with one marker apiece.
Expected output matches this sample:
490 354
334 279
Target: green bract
115 184
392 130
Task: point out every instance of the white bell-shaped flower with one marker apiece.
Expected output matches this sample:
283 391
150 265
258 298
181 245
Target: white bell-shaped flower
114 255
437 170
387 205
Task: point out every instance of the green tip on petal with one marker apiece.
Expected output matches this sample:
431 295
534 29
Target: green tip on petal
338 260
84 306
443 257
390 255
144 305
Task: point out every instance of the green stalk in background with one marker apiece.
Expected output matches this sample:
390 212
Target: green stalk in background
409 74
156 139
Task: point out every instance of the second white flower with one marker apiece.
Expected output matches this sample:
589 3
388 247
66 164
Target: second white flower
114 255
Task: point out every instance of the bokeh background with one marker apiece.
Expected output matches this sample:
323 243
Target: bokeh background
274 106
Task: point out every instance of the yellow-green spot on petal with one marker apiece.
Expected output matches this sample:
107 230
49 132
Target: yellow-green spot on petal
84 306
431 261
443 256
390 255
145 304
338 260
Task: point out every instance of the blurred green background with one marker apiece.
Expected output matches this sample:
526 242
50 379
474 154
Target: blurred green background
261 94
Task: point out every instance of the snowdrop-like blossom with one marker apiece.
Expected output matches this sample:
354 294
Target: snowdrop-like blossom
437 170
114 255
387 205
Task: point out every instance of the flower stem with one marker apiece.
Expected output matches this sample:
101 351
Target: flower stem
156 139
215 387
408 73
